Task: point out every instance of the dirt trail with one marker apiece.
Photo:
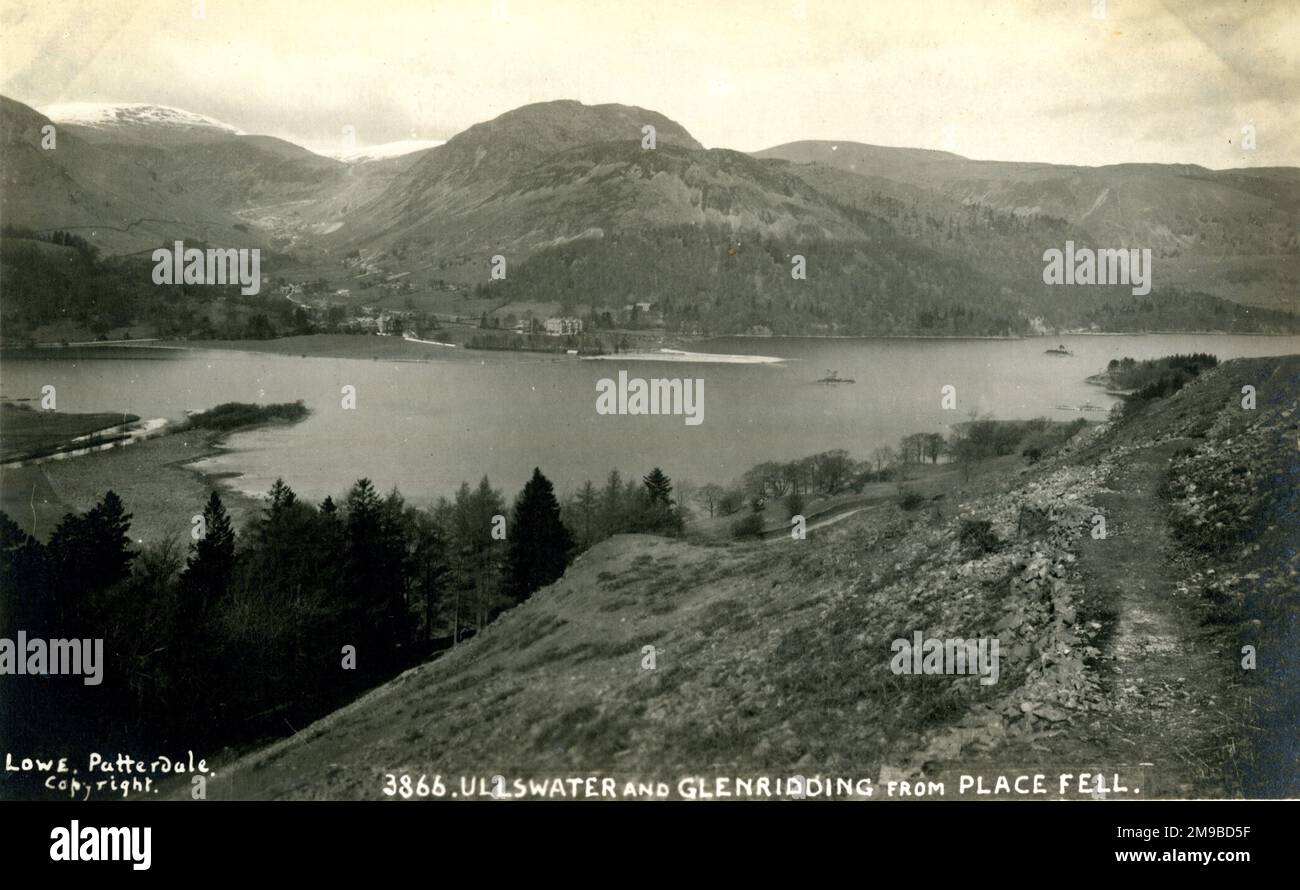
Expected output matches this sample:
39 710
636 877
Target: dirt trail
1164 675
822 520
1163 718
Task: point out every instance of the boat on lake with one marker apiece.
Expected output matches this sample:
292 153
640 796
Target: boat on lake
1059 350
834 377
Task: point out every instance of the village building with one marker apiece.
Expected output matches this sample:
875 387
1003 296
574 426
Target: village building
563 327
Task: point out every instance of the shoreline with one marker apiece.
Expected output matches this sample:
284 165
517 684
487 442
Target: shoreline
215 445
157 477
996 337
157 481
121 435
264 347
681 356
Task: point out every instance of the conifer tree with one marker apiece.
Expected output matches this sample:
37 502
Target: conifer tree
659 487
539 541
585 507
212 557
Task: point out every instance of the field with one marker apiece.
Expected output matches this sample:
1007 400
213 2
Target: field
150 477
26 430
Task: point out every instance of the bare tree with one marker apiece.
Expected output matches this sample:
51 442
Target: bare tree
883 457
934 446
685 496
711 497
831 470
912 450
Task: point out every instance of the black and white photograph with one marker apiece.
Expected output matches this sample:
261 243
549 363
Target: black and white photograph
749 402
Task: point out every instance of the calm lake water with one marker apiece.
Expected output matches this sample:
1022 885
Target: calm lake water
427 426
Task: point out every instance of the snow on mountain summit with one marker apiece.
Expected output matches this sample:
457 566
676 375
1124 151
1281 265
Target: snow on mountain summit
108 115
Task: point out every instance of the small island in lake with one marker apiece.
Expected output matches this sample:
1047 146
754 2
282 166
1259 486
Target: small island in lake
834 377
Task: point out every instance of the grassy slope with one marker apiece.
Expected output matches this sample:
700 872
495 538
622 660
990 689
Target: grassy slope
774 657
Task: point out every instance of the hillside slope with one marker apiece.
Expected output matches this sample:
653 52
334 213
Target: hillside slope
587 217
1230 233
896 240
99 193
274 185
774 658
892 241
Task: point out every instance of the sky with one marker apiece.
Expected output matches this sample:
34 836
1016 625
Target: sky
1062 81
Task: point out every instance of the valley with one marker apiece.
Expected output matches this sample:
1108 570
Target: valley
894 241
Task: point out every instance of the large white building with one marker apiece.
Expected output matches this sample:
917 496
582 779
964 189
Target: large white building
562 327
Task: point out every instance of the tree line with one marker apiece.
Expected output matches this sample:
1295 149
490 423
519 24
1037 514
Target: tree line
241 634
819 475
826 474
45 286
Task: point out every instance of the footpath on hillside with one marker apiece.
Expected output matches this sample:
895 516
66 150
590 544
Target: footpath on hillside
1165 674
1164 713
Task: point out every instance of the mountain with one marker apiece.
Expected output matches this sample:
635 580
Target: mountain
894 240
135 122
83 216
588 217
902 164
273 185
98 191
1229 232
475 174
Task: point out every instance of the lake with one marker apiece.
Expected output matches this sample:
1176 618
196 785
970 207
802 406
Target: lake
426 426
